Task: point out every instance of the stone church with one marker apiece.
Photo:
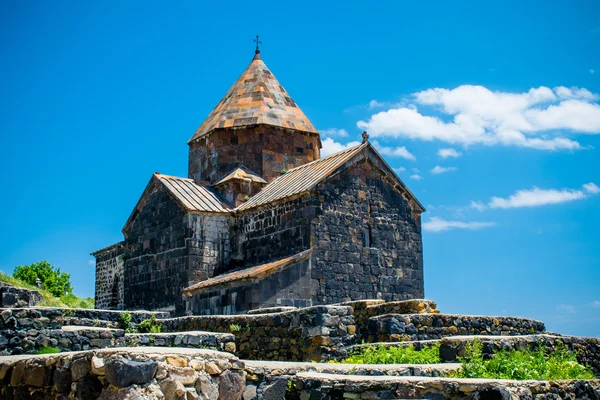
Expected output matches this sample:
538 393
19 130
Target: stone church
263 221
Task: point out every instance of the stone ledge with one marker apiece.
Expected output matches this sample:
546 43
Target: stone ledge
406 327
189 339
333 386
293 368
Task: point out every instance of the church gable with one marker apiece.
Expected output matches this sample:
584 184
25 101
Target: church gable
185 193
367 236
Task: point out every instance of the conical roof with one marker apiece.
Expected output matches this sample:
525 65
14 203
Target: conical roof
256 98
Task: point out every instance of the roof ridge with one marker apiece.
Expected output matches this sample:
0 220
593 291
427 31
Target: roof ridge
325 158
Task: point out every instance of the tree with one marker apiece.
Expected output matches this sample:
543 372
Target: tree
53 280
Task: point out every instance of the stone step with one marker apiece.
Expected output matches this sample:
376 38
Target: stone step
318 385
190 339
293 368
407 327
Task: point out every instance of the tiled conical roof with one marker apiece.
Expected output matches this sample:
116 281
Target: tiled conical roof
256 98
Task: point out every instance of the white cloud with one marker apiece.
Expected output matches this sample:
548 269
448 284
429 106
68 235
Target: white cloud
334 132
440 170
592 71
91 262
399 170
394 151
591 188
436 224
566 308
595 304
375 104
330 146
536 197
539 118
450 152
478 205
416 177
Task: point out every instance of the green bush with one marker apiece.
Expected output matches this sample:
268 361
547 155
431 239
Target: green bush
522 364
48 350
233 328
395 355
53 280
125 323
150 325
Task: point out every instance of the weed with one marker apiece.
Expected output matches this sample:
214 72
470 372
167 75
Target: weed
522 364
150 325
48 350
395 355
235 328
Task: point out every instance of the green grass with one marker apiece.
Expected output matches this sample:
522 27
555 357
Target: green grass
70 300
522 364
395 355
515 364
48 350
74 301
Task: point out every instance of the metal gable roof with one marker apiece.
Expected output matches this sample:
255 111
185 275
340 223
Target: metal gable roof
305 177
245 275
301 178
192 196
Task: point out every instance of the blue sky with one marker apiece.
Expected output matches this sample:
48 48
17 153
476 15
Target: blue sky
501 100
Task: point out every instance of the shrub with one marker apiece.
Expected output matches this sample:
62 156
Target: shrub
522 364
53 280
48 350
125 323
395 355
150 325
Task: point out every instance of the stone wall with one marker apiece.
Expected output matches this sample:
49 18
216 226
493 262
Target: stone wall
109 277
367 239
266 150
25 330
310 385
209 248
313 333
290 287
156 266
149 373
275 231
12 296
397 327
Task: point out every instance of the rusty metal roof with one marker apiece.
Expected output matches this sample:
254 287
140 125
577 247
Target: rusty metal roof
256 98
241 173
301 178
192 196
251 274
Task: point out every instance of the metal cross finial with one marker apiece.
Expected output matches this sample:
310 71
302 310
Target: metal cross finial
365 137
257 43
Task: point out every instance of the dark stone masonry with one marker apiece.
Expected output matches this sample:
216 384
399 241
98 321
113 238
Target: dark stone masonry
257 196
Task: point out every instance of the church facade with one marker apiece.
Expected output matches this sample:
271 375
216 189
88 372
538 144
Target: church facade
263 221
